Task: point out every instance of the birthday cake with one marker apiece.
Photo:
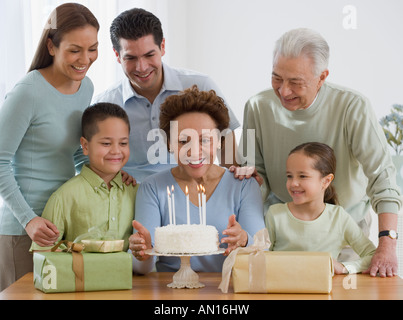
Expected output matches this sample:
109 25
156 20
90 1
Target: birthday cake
186 238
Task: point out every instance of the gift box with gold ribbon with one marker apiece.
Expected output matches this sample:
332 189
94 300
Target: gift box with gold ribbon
76 270
104 246
256 270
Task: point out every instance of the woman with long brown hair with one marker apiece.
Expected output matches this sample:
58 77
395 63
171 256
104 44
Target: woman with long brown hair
40 133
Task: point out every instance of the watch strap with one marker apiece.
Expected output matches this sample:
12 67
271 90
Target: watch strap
386 233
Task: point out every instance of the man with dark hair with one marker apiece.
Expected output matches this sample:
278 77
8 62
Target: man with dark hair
139 45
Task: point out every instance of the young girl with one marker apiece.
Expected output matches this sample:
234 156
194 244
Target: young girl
313 221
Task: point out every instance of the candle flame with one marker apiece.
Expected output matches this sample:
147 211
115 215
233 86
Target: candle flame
186 190
168 191
172 189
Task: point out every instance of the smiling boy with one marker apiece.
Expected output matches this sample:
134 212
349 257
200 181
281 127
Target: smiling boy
97 196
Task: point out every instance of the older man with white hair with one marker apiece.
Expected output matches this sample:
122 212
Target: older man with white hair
303 107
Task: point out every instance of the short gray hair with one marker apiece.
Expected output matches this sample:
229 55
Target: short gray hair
297 42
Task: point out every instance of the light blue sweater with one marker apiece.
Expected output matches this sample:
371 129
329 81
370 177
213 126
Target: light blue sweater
231 196
40 131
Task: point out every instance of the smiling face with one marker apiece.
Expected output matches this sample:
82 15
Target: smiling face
76 53
108 149
294 82
305 184
141 61
196 145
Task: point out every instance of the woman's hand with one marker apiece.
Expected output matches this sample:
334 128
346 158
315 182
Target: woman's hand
140 241
235 235
128 179
43 232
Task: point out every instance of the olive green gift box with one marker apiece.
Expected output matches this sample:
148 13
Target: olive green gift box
53 271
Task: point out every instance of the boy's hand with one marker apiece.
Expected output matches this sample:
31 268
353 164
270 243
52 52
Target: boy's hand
140 241
42 232
128 179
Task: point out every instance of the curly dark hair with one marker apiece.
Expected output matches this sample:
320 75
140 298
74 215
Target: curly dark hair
193 100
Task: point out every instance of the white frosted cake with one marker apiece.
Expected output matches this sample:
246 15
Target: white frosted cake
183 239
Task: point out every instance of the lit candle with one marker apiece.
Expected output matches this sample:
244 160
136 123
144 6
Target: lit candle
200 208
173 206
204 205
187 205
169 205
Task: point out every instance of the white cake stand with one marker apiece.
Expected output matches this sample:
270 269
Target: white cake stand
185 277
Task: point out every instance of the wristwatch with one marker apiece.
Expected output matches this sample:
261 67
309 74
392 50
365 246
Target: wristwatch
390 233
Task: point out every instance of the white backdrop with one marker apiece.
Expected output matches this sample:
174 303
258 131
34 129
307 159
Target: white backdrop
232 41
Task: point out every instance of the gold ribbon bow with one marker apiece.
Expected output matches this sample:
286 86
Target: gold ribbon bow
257 263
78 260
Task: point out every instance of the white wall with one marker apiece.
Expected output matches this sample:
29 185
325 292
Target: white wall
233 40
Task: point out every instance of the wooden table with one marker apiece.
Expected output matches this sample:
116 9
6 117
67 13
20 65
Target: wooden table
154 287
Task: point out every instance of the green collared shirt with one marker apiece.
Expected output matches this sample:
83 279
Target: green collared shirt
85 202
